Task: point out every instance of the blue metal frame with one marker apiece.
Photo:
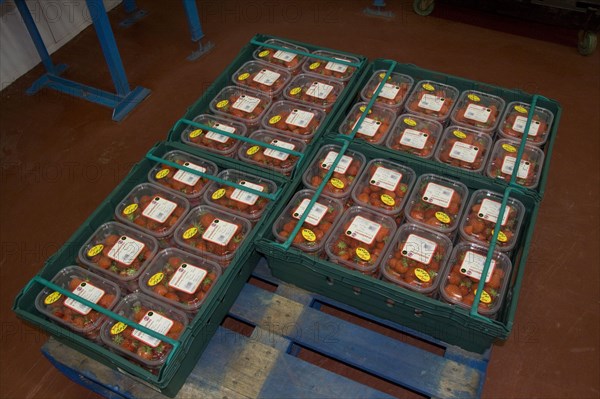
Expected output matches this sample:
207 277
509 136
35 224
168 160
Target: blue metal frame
191 13
123 102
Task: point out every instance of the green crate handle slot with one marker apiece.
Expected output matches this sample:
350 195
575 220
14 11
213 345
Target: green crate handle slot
106 312
286 245
304 53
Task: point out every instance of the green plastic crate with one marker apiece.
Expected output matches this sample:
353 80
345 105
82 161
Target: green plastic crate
198 334
462 84
448 323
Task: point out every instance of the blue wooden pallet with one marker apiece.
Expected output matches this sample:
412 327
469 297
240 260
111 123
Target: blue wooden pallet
265 364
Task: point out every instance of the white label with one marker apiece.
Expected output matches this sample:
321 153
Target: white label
363 230
125 250
438 195
464 152
414 138
389 91
282 156
220 137
431 102
519 126
509 165
341 167
472 266
244 196
385 178
187 278
369 127
299 118
319 90
419 249
284 55
489 210
159 209
477 113
220 232
314 216
332 66
266 77
246 103
189 178
154 322
86 291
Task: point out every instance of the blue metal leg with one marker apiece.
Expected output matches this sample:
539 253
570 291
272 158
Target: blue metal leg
135 13
129 6
378 10
191 12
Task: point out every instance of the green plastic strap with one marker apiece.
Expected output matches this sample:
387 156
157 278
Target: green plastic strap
270 196
517 165
304 53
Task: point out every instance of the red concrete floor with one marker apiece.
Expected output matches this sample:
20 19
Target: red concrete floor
62 156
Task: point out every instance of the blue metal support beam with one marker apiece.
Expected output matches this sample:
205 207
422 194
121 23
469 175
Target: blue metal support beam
191 13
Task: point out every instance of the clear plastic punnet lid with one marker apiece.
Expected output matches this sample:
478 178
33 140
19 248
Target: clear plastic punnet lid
278 161
241 104
360 239
464 148
504 157
479 221
299 121
414 135
514 119
262 76
478 110
118 252
330 69
394 91
374 127
241 202
314 90
384 186
69 312
212 141
415 258
345 173
432 99
317 226
289 60
152 209
179 181
437 203
211 232
180 278
463 272
151 313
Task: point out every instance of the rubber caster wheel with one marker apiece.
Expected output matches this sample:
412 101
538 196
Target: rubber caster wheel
587 42
423 7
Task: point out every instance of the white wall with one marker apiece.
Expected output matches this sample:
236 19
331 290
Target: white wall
58 22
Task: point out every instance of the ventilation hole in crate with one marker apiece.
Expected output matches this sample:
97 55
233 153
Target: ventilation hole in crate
264 284
418 313
356 290
389 303
237 326
329 280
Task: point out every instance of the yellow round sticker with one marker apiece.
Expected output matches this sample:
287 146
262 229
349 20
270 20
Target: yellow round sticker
218 194
161 174
442 217
410 122
275 119
189 233
459 134
428 87
509 148
50 299
387 199
485 297
195 133
382 75
502 237
337 183
263 53
474 97
130 209
118 328
222 103
95 250
363 254
308 235
244 76
422 275
295 91
520 109
253 150
362 108
314 65
155 279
